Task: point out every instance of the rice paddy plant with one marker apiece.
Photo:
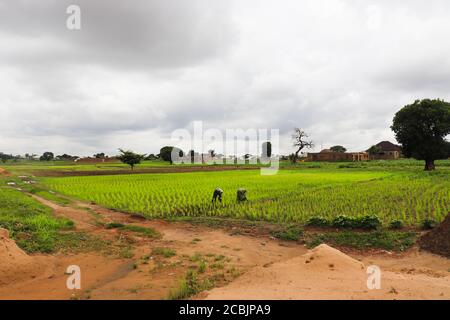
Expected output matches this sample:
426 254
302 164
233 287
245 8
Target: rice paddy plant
291 196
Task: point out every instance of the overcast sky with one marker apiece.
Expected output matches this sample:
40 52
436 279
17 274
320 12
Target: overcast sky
137 70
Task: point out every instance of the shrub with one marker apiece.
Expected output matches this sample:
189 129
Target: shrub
428 224
396 224
369 222
343 221
318 222
290 233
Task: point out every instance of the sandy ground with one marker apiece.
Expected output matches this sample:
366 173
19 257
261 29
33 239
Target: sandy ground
326 273
263 268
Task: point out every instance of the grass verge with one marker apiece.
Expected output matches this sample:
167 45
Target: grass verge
165 252
189 286
145 231
30 224
382 239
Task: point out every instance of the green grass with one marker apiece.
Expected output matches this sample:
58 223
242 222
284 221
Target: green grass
148 232
291 196
383 239
38 190
145 231
201 266
165 252
31 225
189 286
289 233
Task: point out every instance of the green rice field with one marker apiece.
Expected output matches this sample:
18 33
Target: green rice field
290 196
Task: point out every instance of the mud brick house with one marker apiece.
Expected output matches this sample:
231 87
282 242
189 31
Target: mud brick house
328 155
90 160
387 151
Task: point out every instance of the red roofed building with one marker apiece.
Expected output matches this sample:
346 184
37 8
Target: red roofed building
386 151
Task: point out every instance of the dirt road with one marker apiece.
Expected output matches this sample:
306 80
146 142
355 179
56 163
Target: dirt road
244 267
134 277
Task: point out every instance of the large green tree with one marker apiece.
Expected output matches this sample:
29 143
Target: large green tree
130 158
5 157
422 128
47 156
166 153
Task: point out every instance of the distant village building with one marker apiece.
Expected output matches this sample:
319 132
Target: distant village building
89 160
387 151
331 156
202 158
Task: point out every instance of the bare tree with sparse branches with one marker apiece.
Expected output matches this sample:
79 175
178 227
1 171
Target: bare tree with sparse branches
299 141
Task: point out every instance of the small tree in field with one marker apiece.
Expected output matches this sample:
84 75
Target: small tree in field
299 138
130 158
422 128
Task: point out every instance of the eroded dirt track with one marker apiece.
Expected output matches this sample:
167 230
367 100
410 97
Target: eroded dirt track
246 267
108 277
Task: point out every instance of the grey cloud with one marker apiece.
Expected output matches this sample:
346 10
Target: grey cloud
139 34
138 70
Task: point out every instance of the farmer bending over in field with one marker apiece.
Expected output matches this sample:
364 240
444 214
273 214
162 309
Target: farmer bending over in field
217 195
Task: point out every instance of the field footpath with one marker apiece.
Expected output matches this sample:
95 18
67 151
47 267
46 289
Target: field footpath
241 265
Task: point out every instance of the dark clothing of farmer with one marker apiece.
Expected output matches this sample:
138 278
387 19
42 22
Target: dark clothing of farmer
217 195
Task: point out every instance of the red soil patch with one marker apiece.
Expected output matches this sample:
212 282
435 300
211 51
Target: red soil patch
3 172
327 273
438 240
16 265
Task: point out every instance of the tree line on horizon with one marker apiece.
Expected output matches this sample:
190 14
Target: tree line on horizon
421 128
